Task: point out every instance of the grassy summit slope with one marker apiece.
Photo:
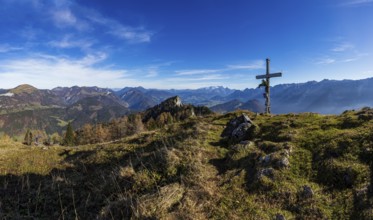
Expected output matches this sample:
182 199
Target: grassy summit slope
187 171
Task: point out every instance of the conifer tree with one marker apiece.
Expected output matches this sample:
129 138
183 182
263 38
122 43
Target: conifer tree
28 138
69 139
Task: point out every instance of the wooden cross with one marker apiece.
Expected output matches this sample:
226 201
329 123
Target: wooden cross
265 83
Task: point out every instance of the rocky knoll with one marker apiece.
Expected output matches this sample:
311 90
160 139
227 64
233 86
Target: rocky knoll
176 109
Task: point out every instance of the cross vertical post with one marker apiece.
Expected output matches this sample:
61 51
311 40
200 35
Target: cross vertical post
268 101
266 85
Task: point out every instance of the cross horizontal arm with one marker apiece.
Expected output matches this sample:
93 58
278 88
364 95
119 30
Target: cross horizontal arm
269 76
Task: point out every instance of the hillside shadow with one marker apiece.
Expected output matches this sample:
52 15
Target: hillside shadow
85 189
247 164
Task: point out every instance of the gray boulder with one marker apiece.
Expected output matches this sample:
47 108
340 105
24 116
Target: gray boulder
283 163
240 128
265 160
268 172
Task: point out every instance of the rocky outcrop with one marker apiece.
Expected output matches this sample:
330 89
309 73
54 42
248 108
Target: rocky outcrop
365 114
279 160
240 128
267 172
174 107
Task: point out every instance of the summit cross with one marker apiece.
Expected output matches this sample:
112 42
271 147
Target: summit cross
265 83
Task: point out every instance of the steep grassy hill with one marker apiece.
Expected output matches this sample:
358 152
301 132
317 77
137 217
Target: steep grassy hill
295 166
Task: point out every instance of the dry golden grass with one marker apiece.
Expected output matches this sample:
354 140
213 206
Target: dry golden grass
186 170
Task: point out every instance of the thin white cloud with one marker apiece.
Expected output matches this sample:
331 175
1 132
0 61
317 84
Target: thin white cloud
64 17
49 71
68 41
151 73
5 48
207 77
343 47
341 58
132 35
324 61
257 64
349 60
356 2
196 72
119 30
92 59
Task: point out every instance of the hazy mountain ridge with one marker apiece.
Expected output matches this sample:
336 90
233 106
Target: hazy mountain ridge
87 104
76 93
326 97
251 105
149 97
137 99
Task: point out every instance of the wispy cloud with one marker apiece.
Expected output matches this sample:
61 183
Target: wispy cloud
68 41
5 48
64 18
196 72
254 65
132 35
343 47
152 73
341 58
126 32
356 2
45 71
257 64
88 19
324 61
208 77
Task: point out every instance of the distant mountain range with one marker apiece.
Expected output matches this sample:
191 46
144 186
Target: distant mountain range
28 107
326 97
252 105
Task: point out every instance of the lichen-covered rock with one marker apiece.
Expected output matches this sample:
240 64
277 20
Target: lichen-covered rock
283 163
268 172
288 147
286 153
265 160
240 128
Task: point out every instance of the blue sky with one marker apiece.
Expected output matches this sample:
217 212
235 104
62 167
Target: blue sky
182 43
